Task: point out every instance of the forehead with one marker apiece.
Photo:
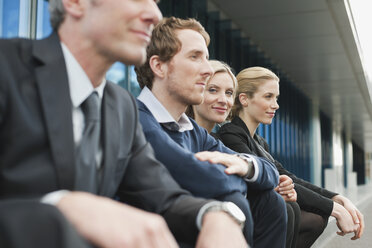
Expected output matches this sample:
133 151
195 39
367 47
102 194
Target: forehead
222 80
191 40
269 86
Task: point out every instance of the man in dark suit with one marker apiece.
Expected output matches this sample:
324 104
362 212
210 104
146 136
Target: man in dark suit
45 87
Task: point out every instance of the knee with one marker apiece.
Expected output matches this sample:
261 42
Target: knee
277 206
319 223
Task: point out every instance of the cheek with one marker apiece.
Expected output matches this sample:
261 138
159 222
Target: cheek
230 103
209 98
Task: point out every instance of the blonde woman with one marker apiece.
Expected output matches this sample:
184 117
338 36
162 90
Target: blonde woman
218 101
255 103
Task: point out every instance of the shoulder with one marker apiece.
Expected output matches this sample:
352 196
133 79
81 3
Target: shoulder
231 128
15 50
262 142
119 94
147 119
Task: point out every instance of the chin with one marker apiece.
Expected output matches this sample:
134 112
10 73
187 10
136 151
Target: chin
268 122
134 58
196 101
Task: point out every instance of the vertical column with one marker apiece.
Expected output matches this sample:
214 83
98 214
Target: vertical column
315 146
351 177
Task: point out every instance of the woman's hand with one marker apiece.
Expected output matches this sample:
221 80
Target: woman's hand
356 215
345 221
286 188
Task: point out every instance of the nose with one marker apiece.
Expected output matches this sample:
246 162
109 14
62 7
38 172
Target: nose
222 98
275 104
206 68
151 14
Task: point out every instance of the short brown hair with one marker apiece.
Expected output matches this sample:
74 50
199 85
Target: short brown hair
249 80
165 44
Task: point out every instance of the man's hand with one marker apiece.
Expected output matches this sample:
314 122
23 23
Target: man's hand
344 221
110 224
286 188
220 230
234 164
357 216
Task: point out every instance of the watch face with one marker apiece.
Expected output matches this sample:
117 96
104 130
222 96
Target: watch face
235 211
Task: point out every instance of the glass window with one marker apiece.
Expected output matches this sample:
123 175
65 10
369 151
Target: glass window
9 18
118 74
43 27
133 83
24 18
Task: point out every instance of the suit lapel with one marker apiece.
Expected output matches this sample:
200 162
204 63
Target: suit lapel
54 92
110 141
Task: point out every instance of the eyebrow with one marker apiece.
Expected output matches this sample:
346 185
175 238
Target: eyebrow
197 51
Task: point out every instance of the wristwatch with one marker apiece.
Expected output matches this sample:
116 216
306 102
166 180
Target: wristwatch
250 163
227 207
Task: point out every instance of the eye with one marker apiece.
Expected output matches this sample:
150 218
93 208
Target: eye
229 93
268 96
212 90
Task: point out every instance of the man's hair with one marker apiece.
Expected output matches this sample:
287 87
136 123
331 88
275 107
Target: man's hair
57 13
165 44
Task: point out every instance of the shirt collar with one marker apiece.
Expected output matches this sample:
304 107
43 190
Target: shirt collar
161 114
79 83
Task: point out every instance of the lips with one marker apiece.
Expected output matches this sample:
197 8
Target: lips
146 36
220 109
271 114
201 84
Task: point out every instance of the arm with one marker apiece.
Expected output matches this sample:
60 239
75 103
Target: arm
296 180
200 178
179 211
237 141
349 218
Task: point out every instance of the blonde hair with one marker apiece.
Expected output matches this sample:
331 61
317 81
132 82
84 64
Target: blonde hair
217 67
249 80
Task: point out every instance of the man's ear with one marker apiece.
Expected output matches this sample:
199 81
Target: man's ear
243 99
157 66
74 8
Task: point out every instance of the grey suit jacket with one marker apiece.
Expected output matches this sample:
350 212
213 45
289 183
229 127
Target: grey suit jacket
37 147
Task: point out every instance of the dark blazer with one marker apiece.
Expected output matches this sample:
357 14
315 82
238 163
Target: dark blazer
310 197
37 146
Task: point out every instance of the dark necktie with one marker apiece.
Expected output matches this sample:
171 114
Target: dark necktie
86 166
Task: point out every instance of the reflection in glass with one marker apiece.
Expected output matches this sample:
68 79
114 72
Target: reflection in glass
9 18
134 86
43 27
117 74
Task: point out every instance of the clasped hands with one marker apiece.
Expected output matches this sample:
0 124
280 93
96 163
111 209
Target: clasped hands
286 188
348 218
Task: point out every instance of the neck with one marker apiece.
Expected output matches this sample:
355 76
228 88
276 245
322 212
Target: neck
174 107
251 125
208 125
94 64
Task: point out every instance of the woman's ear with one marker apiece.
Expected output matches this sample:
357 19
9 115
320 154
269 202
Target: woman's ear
243 99
157 66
